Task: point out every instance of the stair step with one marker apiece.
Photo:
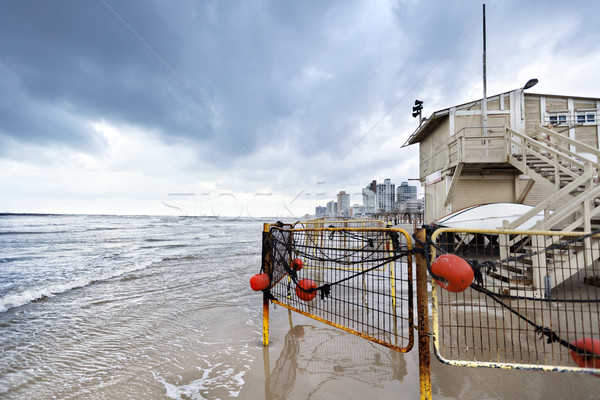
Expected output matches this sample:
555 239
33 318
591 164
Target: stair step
519 282
592 280
522 292
563 177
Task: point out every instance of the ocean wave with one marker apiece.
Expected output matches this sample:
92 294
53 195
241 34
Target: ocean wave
12 259
163 246
104 229
35 232
217 235
52 289
190 257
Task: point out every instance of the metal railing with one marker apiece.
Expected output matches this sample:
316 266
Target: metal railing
341 223
500 321
364 274
534 302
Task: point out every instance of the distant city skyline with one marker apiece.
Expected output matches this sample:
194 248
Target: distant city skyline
376 197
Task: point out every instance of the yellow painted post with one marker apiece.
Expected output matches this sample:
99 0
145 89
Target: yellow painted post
266 301
423 321
265 320
392 266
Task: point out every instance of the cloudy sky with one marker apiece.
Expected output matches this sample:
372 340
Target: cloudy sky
253 108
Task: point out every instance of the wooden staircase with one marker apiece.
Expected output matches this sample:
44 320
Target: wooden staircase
549 159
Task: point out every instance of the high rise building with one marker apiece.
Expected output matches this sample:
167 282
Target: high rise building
406 193
332 208
369 198
320 211
343 201
386 195
373 186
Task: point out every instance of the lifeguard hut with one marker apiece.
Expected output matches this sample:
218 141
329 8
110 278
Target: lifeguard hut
517 147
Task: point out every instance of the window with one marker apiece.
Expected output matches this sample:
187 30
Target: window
586 117
557 119
572 118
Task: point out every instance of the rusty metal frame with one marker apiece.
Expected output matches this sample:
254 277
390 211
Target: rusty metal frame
407 277
437 292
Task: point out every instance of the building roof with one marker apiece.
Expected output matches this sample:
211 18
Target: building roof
428 125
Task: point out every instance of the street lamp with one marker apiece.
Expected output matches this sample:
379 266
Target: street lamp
530 83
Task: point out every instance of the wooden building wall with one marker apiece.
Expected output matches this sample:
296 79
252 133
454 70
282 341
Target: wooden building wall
432 151
475 187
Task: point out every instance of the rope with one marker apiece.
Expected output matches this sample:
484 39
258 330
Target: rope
477 285
491 266
282 250
325 289
543 331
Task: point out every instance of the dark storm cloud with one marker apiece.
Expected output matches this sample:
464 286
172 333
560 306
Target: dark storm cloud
77 58
165 67
157 96
229 76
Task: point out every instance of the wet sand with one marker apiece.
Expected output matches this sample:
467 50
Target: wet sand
149 334
307 359
310 360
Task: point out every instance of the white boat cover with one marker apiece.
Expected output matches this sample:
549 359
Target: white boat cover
488 216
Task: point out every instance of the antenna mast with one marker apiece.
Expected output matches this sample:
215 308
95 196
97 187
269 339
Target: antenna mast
484 102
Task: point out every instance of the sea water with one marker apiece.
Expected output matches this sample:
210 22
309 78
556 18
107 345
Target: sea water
115 307
149 307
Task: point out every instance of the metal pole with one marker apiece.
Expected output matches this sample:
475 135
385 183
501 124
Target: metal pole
423 321
484 103
265 320
266 303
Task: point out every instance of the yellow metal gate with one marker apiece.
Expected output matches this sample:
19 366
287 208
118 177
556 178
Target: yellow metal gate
531 299
361 279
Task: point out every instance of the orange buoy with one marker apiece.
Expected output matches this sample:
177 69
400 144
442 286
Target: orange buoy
260 282
456 272
586 360
302 289
297 264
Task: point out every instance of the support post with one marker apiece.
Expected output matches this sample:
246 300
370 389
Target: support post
423 321
265 320
266 298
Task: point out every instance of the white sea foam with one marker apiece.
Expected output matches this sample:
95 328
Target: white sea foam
28 295
214 375
192 390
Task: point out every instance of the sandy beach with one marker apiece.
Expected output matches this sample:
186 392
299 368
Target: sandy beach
310 360
161 308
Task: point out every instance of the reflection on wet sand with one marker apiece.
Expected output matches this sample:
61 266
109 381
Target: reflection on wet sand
314 360
316 354
452 382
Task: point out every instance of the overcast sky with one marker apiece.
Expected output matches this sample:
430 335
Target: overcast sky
253 108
